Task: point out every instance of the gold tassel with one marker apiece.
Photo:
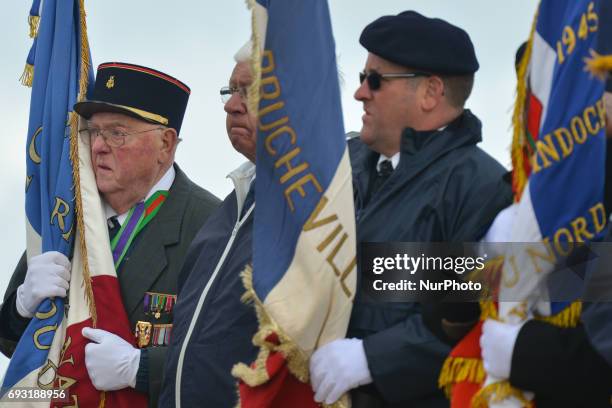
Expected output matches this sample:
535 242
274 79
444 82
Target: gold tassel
519 174
74 157
102 400
28 76
598 65
498 392
33 22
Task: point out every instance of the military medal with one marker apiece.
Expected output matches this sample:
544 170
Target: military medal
157 304
143 333
161 334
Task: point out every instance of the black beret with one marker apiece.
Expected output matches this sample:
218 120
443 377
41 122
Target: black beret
137 91
428 44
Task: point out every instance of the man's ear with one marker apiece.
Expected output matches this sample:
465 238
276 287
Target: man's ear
433 93
169 141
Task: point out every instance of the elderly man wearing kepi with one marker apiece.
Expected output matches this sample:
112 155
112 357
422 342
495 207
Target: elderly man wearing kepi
213 327
418 177
133 123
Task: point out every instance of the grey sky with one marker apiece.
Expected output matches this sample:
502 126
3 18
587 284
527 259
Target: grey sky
195 41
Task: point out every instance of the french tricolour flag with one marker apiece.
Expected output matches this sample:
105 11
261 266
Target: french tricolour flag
304 250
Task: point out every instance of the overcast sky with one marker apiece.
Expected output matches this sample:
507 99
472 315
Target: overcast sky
195 41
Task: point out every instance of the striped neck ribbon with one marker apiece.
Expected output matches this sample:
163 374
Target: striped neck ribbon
138 217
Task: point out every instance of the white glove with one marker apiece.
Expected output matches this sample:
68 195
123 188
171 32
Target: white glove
497 344
48 276
337 367
112 363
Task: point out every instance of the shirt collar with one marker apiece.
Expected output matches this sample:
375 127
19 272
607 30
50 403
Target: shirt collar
242 178
163 183
394 160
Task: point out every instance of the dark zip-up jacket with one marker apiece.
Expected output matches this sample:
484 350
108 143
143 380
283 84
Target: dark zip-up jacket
445 189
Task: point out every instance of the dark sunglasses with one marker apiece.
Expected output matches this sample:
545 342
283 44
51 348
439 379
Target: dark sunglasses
375 79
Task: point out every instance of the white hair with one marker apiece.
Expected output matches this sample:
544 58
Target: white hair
244 53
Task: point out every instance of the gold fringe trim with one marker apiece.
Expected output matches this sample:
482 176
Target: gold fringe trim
102 399
297 361
256 58
74 157
568 318
27 76
488 310
33 22
598 65
460 369
519 174
498 392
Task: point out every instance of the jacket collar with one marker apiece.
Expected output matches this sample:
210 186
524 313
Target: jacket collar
418 150
242 177
464 130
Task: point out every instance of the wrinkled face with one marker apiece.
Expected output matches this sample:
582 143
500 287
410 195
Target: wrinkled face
130 169
388 110
241 125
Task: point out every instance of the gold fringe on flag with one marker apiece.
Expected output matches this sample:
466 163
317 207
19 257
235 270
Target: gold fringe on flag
488 310
33 22
598 65
568 318
297 361
74 157
464 369
460 369
28 76
498 392
519 139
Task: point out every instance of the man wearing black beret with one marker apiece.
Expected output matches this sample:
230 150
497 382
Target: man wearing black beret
153 210
418 177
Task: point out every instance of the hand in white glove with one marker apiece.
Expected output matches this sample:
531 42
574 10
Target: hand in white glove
112 363
48 276
497 344
337 367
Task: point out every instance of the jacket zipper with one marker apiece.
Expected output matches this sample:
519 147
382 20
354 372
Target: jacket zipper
198 310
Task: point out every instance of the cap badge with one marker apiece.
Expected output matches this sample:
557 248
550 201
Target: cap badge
111 82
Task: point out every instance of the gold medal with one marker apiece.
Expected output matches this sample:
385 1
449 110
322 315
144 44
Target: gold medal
143 333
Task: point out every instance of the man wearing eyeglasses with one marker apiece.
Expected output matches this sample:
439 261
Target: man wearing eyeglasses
418 177
133 123
213 328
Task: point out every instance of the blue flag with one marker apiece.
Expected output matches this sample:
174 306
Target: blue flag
59 71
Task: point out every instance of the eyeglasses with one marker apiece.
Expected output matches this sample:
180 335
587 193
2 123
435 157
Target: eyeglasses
112 137
227 92
375 79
